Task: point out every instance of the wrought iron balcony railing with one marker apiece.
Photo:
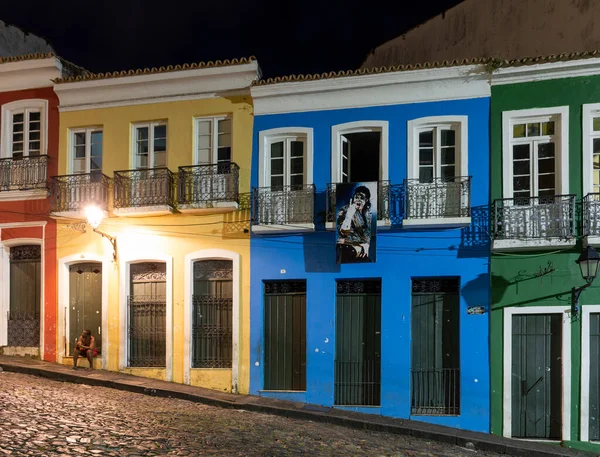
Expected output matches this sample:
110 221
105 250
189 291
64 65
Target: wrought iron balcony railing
440 198
24 174
591 215
383 201
283 205
74 192
146 187
205 184
534 217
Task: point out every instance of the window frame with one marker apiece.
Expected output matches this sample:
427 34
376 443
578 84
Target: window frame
150 125
460 124
589 111
560 115
16 107
339 130
88 148
268 137
214 147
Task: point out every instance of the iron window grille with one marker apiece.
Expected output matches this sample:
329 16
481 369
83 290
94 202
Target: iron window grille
438 198
146 331
144 187
24 173
201 184
283 205
435 370
383 201
534 217
591 214
75 192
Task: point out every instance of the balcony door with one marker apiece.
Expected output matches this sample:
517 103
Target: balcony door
148 186
212 180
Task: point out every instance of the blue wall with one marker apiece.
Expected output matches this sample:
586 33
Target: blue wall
401 254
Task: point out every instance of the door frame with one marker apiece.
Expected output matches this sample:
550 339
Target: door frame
566 365
64 299
211 254
584 407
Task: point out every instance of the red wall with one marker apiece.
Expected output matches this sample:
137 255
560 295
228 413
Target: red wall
38 211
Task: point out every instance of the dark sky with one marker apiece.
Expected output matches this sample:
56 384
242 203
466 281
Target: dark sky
309 36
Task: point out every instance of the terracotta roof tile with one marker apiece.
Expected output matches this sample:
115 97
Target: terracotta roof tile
36 56
155 70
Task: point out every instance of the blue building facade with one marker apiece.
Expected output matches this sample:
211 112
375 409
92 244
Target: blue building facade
405 335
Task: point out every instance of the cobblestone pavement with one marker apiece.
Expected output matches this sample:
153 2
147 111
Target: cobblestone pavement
42 417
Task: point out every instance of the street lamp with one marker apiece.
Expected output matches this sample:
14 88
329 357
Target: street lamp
588 262
94 216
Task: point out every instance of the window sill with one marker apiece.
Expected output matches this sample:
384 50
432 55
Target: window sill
382 224
283 391
15 195
591 241
436 222
138 211
532 244
275 228
208 207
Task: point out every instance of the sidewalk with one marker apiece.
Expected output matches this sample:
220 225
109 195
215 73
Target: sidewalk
473 440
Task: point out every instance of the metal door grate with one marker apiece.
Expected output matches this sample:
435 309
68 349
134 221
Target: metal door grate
147 331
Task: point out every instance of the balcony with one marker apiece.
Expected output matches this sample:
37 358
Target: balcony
383 205
145 192
70 194
441 202
534 222
208 188
285 208
24 178
591 219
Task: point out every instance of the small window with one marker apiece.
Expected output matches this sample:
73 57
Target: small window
86 150
150 145
213 141
24 129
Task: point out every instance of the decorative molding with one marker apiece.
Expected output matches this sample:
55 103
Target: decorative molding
25 252
29 74
213 269
18 195
148 272
546 71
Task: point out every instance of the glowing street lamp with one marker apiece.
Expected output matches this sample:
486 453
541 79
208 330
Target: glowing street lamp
94 216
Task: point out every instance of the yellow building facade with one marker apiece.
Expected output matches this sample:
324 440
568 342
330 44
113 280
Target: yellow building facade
152 208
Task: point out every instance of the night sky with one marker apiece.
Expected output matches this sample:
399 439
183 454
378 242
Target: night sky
310 36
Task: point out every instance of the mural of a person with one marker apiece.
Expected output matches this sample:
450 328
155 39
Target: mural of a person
354 228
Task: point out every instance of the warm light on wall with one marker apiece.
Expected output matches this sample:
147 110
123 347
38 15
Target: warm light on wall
94 216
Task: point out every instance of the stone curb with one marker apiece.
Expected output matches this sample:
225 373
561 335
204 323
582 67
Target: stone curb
463 438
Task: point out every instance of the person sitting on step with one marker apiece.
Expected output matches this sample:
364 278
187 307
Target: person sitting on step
85 347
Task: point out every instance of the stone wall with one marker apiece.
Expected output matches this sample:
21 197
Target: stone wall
14 42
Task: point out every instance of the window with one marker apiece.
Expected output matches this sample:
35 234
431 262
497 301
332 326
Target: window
150 145
535 150
591 149
437 149
285 335
359 152
24 128
86 150
286 162
435 357
213 141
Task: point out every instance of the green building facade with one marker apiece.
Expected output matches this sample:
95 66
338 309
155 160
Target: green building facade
545 165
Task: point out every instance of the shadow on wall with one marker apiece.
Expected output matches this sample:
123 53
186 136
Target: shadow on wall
319 253
475 239
476 292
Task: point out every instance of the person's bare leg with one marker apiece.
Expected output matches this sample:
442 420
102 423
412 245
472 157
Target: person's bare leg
90 358
75 357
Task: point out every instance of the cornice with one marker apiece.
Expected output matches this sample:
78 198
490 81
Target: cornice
546 71
29 73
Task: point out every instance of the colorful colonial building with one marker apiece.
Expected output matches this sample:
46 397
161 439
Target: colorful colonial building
388 315
151 198
28 155
545 132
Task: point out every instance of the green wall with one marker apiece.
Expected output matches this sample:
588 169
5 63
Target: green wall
512 273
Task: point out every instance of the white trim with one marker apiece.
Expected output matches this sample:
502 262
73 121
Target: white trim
209 254
19 195
29 74
64 300
433 84
584 406
546 71
356 127
587 114
296 227
264 136
189 84
562 140
214 137
23 224
125 260
533 244
7 113
566 366
437 222
5 277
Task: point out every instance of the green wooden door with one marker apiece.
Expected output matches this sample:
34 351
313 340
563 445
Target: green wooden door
594 420
85 296
536 395
25 292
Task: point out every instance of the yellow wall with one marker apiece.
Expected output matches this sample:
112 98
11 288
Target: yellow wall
173 235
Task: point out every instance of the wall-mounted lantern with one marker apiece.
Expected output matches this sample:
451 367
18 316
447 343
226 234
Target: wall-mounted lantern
94 216
588 262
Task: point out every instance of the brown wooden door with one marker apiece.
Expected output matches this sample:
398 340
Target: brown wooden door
85 309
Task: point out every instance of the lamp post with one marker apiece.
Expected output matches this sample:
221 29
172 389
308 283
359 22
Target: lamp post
94 216
588 262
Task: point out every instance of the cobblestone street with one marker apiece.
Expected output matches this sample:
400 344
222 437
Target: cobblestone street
42 417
